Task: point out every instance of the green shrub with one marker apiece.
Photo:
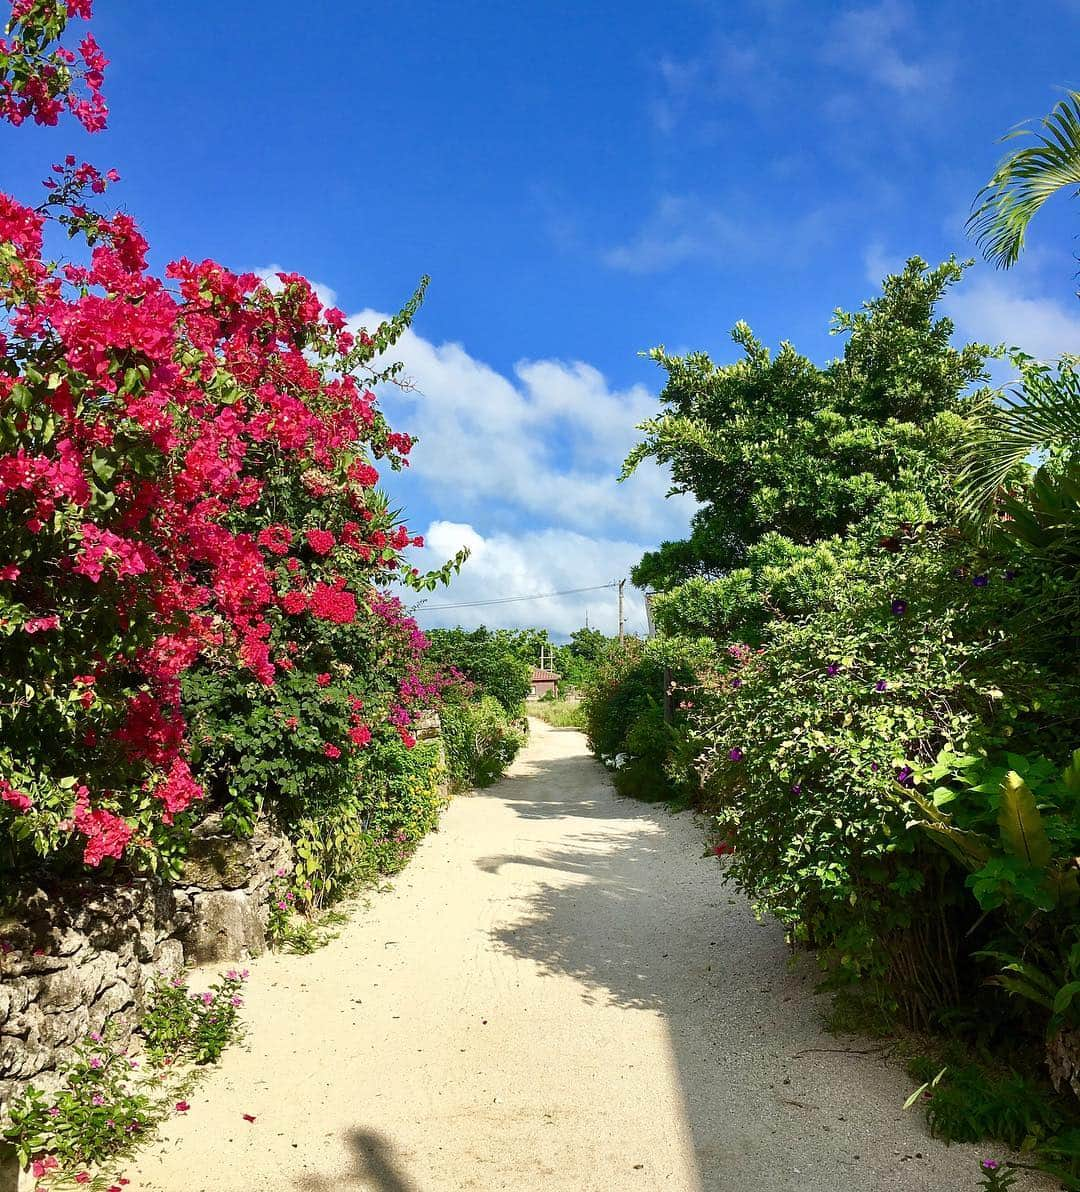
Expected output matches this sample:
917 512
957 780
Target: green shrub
815 742
480 737
626 684
375 830
971 1098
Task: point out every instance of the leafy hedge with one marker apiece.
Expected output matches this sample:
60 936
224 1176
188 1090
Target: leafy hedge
375 830
480 737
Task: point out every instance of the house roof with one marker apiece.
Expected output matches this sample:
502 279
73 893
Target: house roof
539 675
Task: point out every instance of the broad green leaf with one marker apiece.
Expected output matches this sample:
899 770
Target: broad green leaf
1021 825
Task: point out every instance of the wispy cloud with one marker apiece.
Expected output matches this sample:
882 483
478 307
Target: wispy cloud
874 42
684 229
998 308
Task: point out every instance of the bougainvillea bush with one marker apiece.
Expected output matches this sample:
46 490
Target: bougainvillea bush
188 472
40 79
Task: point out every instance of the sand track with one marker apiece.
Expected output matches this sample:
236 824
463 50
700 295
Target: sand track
559 995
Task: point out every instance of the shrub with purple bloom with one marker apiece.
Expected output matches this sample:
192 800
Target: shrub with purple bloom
899 608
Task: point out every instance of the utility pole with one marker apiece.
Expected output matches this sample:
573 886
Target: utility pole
622 584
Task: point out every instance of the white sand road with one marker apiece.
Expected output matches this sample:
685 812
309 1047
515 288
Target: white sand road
558 994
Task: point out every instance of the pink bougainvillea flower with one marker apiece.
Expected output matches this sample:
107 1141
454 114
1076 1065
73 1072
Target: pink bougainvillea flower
15 798
321 541
41 624
182 1107
331 750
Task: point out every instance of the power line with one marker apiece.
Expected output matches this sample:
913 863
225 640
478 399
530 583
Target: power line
511 599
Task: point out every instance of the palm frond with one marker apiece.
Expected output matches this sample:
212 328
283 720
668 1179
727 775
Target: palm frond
1038 415
1024 181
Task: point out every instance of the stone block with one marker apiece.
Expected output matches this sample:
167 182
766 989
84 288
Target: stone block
227 927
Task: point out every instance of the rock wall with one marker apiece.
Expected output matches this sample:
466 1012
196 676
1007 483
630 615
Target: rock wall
79 956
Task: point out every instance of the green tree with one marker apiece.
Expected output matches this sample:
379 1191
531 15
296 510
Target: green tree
776 444
494 660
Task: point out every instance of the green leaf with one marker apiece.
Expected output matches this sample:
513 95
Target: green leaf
1065 995
1021 825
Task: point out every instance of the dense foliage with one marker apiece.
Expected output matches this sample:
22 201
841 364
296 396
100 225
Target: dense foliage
879 601
188 495
480 737
498 662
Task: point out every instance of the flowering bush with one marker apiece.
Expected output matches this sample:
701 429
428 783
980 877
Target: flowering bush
151 441
41 79
817 739
197 1027
108 1104
99 1113
187 475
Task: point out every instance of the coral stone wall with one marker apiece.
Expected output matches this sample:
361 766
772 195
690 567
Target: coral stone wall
77 957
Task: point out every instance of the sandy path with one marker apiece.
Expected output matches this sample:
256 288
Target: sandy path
557 995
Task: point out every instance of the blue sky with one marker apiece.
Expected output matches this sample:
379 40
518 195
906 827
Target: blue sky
582 182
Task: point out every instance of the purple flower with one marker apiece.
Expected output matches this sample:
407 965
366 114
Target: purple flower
96 1062
1010 575
54 1111
980 581
990 1165
736 682
881 685
899 607
832 669
796 788
97 1099
95 1037
905 776
736 755
874 767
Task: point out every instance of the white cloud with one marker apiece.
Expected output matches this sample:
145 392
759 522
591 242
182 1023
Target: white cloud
545 443
880 263
546 560
269 274
992 308
682 229
866 41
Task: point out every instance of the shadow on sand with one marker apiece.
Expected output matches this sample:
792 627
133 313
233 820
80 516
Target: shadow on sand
376 1168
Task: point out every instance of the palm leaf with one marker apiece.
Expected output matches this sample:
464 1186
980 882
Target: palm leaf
1024 181
1041 414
